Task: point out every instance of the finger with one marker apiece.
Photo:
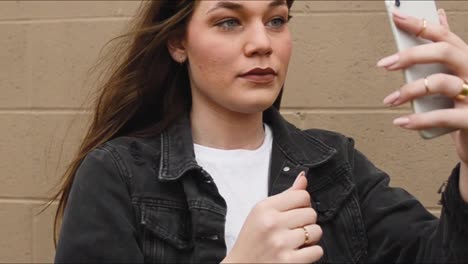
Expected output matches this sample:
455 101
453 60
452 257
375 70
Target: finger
440 52
434 32
300 183
307 254
447 118
439 83
443 19
299 217
300 238
289 200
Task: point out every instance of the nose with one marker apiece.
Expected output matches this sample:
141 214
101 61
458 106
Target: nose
258 41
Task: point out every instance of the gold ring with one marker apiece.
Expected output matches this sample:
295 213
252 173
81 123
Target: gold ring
306 233
463 93
423 28
426 85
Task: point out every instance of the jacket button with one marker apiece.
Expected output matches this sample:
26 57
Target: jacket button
211 237
286 169
318 205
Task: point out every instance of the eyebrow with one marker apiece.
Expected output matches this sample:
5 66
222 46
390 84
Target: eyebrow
236 6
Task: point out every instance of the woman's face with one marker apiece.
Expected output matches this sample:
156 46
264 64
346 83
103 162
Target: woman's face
238 53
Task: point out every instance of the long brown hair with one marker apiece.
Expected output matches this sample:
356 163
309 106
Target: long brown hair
144 89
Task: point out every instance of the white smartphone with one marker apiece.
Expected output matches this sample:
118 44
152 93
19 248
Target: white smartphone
424 9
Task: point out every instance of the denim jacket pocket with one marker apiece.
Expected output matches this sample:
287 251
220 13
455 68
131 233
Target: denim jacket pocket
344 238
329 199
166 232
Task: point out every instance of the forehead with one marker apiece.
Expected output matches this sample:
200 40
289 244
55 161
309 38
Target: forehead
207 6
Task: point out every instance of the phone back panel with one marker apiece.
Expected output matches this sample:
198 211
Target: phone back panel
424 10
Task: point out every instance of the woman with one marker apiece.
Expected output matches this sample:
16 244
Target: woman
187 159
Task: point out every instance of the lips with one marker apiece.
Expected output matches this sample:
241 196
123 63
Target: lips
260 75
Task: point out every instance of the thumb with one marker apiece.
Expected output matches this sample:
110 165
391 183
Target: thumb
300 183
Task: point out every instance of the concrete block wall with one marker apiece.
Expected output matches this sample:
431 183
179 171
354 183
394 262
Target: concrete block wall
48 47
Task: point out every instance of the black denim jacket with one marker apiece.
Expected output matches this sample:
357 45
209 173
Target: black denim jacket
147 200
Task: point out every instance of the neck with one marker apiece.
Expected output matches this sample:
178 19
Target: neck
224 129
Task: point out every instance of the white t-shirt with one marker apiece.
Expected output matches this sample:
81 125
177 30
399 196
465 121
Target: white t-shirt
241 177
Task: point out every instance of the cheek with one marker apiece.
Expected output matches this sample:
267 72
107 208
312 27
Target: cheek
209 54
210 61
285 50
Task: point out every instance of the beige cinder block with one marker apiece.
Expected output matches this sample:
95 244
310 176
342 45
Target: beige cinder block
15 231
334 60
43 245
47 63
35 147
311 6
336 6
17 10
13 65
335 53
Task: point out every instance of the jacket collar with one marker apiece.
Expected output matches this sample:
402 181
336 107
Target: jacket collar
299 147
178 157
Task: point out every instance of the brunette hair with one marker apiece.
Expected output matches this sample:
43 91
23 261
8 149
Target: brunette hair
144 90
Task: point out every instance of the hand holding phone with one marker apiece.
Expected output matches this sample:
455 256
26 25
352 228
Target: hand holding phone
425 10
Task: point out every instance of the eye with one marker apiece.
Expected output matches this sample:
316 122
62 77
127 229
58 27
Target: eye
277 22
228 24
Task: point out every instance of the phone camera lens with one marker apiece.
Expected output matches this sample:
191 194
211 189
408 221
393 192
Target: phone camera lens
397 3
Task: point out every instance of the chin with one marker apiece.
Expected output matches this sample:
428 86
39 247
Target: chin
253 106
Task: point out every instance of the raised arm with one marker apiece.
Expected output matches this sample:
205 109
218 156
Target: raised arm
400 229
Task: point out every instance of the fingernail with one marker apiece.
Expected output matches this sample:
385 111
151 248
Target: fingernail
398 14
388 61
389 100
441 12
401 121
299 176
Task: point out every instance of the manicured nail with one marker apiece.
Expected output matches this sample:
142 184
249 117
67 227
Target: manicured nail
392 98
299 176
388 61
396 13
401 121
441 12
